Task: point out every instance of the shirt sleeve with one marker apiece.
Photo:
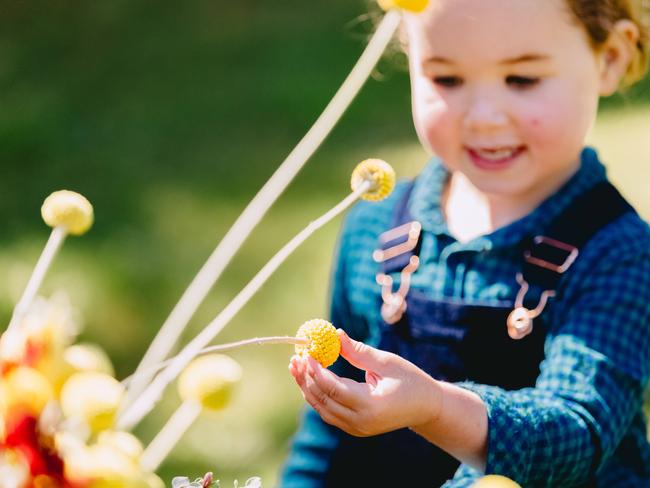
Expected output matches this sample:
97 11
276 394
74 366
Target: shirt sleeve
591 383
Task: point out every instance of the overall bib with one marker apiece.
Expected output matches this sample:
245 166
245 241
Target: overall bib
456 341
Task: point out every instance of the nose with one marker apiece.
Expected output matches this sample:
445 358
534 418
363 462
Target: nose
485 111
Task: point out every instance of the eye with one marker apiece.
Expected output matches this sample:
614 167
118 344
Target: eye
448 81
522 81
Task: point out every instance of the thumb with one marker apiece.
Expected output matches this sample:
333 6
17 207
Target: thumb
361 355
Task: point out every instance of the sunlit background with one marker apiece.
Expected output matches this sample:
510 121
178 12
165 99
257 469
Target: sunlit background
169 116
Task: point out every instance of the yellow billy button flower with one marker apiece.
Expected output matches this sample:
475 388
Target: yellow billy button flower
27 390
14 468
123 441
410 5
88 357
93 397
68 209
324 343
379 173
13 344
103 466
209 380
3 409
495 481
81 357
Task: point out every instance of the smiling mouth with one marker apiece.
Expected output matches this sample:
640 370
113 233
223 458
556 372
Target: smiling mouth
494 158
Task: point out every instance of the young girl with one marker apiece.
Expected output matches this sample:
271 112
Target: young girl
506 289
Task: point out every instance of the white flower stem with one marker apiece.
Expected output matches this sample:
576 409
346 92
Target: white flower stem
169 435
226 347
207 276
57 236
150 395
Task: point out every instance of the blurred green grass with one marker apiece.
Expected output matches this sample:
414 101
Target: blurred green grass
169 117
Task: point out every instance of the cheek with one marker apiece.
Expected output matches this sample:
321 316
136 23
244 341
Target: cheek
554 135
542 127
435 124
556 119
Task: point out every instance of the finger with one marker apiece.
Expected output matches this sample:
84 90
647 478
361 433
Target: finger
361 355
327 407
295 372
297 368
344 391
326 415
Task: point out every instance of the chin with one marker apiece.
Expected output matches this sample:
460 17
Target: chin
503 188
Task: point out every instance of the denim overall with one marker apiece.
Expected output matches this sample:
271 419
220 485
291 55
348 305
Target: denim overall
456 341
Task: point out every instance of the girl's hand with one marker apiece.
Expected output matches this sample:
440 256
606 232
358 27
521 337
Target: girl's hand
396 393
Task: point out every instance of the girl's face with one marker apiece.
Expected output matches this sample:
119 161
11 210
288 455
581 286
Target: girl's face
503 91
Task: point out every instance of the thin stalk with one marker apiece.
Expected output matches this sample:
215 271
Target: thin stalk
207 276
225 347
169 435
52 246
151 395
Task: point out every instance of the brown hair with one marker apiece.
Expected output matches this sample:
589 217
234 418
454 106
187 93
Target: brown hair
599 16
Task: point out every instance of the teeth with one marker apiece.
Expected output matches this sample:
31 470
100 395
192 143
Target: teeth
495 154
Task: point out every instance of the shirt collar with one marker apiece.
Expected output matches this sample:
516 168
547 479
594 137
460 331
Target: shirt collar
426 197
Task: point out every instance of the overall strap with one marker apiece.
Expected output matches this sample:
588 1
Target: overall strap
402 241
548 256
398 252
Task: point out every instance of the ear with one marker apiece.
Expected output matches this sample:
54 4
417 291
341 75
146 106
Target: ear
616 55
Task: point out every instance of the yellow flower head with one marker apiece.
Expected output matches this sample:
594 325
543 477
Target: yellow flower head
4 401
13 345
68 209
103 466
324 343
209 380
410 5
93 397
14 467
379 173
52 322
27 390
75 359
495 481
88 357
123 441
49 326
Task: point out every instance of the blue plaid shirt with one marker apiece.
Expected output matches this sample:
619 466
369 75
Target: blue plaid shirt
584 417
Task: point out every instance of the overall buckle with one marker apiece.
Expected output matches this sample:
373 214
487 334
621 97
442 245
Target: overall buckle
520 320
394 303
410 230
554 246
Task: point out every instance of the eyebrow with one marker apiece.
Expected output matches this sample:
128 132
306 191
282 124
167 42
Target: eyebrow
524 58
